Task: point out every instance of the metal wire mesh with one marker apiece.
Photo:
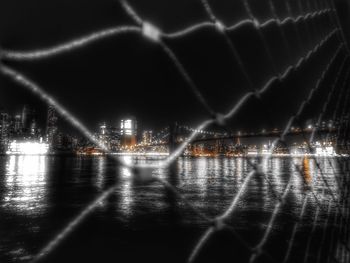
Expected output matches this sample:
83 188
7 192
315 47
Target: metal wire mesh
333 203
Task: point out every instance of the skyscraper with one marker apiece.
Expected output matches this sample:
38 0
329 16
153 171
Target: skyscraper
103 136
28 118
147 137
109 137
17 124
51 125
4 130
128 132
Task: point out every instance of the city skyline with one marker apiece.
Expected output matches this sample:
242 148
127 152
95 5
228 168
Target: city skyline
20 130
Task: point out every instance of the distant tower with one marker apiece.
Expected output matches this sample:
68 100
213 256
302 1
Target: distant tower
103 129
128 132
51 125
104 135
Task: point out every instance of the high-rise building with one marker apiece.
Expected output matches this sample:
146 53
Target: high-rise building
51 126
34 130
128 132
4 130
109 137
28 117
17 128
103 135
103 129
114 137
147 137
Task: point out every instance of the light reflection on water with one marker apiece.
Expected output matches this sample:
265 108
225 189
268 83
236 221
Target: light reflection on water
126 192
101 169
25 183
209 184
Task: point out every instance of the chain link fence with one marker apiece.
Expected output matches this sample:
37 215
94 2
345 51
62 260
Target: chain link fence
316 16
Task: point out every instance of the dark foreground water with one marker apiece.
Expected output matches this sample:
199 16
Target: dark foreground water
40 195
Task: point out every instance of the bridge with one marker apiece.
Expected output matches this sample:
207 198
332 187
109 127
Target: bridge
176 134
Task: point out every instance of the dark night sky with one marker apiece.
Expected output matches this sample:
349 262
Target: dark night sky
128 75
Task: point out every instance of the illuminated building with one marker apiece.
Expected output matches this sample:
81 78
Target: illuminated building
58 142
17 124
28 118
51 126
128 132
103 129
33 128
147 137
325 149
297 149
114 138
252 151
109 137
265 149
4 130
27 148
103 136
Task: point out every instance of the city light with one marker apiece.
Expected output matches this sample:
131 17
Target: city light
25 178
143 153
27 148
324 150
21 135
128 127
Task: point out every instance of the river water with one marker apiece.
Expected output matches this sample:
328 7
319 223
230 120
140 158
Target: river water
146 222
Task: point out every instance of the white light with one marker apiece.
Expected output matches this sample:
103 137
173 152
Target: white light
325 150
127 124
127 160
25 182
28 148
127 127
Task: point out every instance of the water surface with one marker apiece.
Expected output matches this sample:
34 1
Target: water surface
40 195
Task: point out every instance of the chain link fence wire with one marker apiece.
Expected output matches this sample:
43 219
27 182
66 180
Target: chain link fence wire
318 18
